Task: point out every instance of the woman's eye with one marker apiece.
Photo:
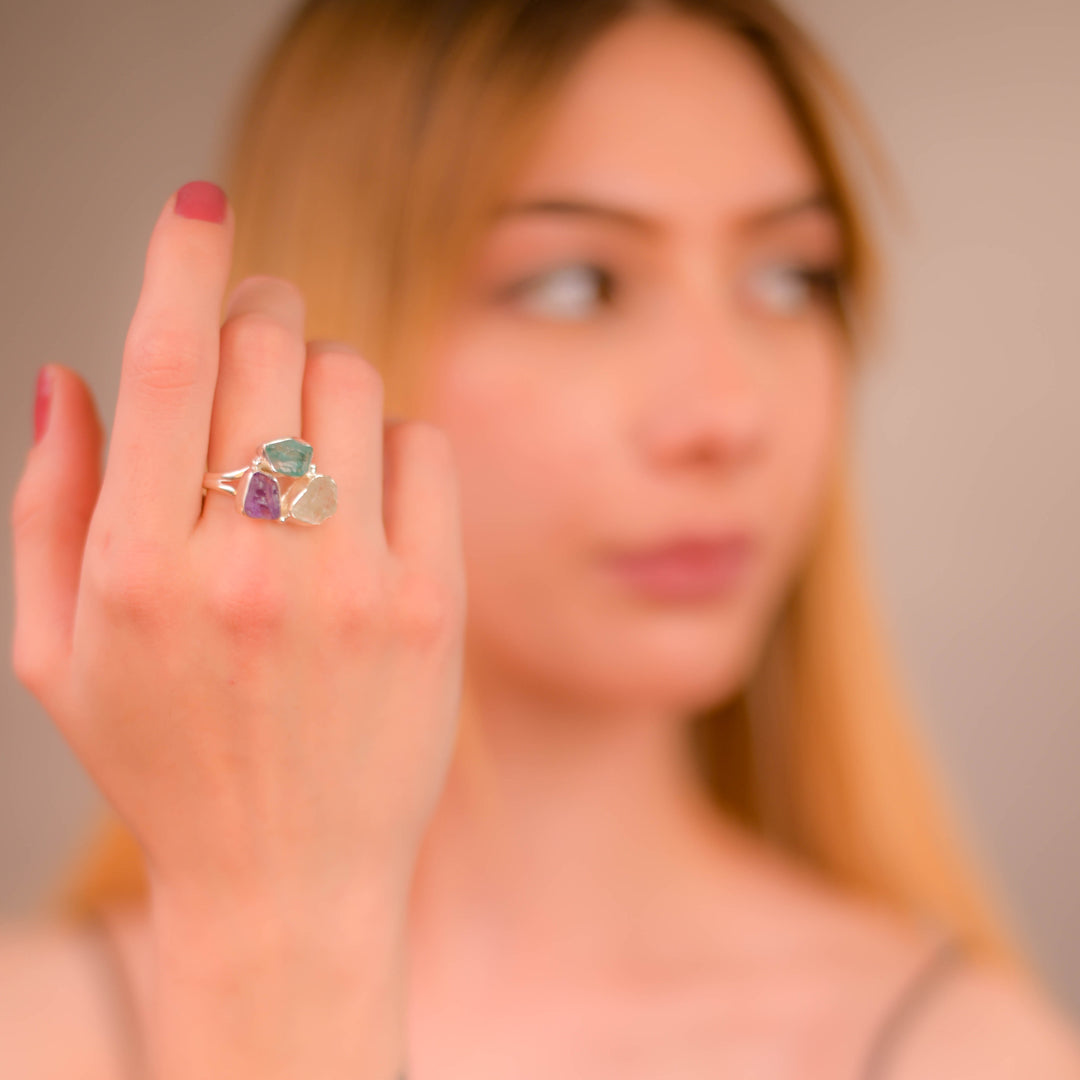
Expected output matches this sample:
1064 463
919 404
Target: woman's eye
567 292
788 288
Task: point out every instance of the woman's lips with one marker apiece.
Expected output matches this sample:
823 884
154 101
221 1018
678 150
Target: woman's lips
689 569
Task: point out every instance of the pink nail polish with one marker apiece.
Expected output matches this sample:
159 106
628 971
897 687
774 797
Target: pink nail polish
42 400
201 199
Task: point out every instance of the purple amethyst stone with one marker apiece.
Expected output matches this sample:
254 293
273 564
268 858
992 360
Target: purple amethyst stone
262 499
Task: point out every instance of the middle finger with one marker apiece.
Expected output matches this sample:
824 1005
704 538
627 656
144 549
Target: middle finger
260 378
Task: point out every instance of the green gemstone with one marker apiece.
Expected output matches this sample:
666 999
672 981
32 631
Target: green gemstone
289 456
316 502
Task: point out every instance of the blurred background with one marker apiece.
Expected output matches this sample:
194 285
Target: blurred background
967 435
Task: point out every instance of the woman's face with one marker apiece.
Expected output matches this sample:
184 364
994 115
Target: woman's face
647 363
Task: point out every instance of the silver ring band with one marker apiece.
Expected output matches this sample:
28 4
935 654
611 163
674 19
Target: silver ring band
281 484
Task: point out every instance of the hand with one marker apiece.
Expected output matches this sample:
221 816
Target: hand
270 708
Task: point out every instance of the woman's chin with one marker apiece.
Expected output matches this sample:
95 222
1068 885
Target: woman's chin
679 673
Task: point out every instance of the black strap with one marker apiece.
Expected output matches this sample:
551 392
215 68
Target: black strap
128 1028
946 956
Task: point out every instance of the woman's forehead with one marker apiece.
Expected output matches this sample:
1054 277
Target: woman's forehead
668 111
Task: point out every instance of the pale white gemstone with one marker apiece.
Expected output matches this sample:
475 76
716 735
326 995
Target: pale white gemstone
316 502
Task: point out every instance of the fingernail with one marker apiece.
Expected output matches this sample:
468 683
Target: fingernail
201 199
42 398
333 345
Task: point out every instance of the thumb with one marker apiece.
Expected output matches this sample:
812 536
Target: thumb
50 515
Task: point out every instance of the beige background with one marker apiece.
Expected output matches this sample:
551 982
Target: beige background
967 428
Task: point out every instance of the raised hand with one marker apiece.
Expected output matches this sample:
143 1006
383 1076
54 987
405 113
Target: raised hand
269 707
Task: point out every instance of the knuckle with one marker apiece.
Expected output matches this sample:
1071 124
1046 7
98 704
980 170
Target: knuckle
359 606
165 358
425 610
245 599
133 582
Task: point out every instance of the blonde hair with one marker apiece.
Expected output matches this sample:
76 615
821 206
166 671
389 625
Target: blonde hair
363 160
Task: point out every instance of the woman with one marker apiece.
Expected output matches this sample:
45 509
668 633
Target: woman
664 816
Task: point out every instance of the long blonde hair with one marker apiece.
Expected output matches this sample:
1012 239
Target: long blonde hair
363 160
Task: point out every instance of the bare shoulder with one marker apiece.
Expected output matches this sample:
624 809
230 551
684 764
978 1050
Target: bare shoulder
53 1014
974 1020
986 1023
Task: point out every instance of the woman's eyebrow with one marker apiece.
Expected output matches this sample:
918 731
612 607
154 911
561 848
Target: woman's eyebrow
576 207
816 201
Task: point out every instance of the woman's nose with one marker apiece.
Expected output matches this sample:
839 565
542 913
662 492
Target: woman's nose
703 394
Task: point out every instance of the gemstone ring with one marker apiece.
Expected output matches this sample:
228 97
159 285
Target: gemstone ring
281 484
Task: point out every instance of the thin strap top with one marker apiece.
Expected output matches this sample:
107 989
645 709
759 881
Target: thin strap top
946 956
127 1028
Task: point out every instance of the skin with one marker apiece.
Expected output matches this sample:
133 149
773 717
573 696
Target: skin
707 393
577 909
572 847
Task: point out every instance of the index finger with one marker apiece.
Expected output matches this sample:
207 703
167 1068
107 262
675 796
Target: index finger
157 451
